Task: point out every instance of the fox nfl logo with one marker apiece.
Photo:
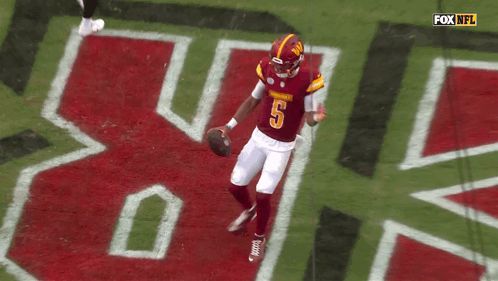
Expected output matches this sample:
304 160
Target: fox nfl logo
462 19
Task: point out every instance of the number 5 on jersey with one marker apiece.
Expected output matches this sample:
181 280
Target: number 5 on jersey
277 119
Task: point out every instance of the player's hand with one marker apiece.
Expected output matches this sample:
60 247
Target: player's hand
320 114
223 129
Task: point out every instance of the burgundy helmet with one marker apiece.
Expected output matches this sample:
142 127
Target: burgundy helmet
286 54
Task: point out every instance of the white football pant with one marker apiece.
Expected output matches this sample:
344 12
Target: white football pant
265 154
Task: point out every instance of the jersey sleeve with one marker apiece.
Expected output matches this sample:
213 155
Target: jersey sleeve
316 84
308 103
258 91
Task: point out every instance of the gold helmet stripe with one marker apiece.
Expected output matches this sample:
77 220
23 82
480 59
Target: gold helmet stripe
283 44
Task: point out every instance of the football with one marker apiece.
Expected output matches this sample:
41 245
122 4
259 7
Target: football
219 143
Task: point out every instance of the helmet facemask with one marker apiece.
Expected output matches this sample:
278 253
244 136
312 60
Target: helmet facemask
285 69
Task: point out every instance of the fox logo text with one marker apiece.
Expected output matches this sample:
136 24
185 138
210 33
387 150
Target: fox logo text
463 19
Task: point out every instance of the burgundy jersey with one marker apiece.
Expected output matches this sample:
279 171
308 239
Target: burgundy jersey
282 104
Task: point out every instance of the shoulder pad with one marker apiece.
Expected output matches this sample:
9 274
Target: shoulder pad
261 69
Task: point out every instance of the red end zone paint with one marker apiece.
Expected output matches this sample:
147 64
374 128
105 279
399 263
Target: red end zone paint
67 224
474 97
414 261
482 199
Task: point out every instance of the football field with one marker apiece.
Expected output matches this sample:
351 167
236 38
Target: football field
105 173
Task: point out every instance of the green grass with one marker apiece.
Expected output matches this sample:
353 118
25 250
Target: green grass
144 231
5 16
348 25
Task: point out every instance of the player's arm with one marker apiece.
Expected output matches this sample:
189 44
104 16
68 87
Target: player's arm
246 107
311 115
314 112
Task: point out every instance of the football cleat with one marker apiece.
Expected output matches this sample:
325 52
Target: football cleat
286 54
242 220
257 248
89 26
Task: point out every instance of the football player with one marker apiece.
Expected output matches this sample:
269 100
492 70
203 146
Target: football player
285 91
87 24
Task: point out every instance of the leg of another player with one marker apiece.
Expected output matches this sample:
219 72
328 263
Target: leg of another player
89 25
273 169
249 162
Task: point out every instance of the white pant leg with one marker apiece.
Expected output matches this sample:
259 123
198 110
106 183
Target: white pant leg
249 162
273 169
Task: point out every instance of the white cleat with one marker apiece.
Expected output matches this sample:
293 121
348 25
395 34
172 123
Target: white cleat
89 26
242 220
